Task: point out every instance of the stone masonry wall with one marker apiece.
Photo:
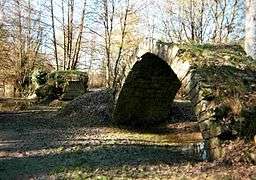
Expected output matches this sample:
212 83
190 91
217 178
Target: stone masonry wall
221 83
205 111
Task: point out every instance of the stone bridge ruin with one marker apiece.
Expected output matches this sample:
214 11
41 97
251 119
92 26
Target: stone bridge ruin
193 85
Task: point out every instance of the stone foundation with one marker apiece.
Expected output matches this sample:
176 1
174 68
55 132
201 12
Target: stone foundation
73 89
205 111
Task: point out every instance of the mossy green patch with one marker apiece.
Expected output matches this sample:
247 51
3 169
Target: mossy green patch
159 139
209 54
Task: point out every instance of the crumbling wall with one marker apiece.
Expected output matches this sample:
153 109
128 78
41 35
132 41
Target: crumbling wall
75 85
65 85
221 83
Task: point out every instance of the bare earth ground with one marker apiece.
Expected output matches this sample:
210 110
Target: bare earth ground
39 145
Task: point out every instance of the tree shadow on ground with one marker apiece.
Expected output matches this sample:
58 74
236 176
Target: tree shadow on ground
25 131
104 157
37 131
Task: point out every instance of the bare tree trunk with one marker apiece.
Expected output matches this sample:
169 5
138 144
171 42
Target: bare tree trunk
108 18
29 25
231 22
123 29
20 35
216 23
54 37
70 28
68 37
201 22
223 17
20 63
70 32
192 20
64 36
79 39
250 28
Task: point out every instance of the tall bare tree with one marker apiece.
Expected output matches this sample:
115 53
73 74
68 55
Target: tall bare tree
123 24
54 36
71 43
108 19
78 42
24 38
203 20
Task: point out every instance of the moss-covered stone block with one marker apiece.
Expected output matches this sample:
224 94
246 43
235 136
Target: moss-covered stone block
73 89
66 85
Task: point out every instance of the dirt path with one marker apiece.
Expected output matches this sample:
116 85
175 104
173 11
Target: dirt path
38 145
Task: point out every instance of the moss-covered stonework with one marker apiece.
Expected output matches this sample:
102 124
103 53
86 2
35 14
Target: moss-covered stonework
222 86
147 94
75 85
220 80
207 54
66 85
73 89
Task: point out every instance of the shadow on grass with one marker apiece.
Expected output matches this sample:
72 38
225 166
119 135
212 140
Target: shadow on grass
32 131
105 157
26 131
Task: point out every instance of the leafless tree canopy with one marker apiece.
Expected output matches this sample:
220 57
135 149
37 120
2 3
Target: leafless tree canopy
104 36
